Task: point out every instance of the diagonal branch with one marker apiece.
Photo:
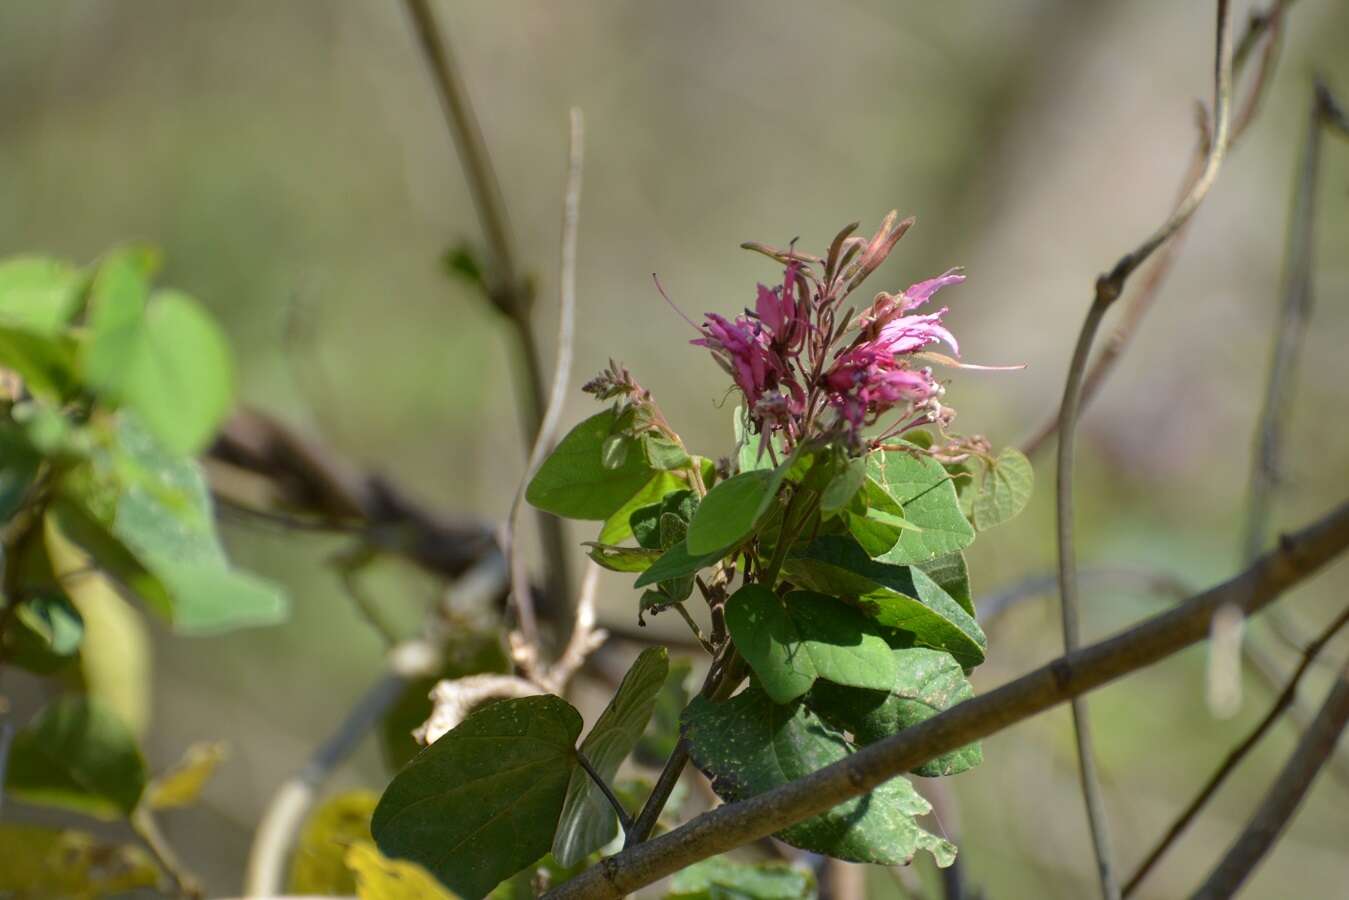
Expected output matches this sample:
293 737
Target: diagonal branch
1108 289
1238 753
727 827
1284 796
1267 25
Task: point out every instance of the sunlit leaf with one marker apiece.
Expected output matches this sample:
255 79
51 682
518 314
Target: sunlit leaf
1005 489
621 559
617 527
183 784
791 641
381 878
928 498
575 483
728 513
38 294
162 355
318 864
900 597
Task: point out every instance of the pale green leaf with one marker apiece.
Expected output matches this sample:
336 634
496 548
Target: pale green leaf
587 821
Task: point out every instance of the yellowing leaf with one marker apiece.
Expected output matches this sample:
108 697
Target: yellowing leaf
318 865
381 878
39 863
181 785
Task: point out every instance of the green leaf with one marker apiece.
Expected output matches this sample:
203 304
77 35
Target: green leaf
749 744
161 355
646 522
617 527
924 490
318 865
1005 490
677 562
587 821
45 633
728 513
46 363
720 878
927 682
900 597
183 784
952 576
461 261
792 641
575 483
162 542
747 445
19 464
662 734
663 453
621 559
483 801
38 863
844 486
38 294
77 754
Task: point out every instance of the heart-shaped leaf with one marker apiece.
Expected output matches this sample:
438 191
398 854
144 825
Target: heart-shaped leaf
748 745
924 491
575 482
1005 489
789 642
926 682
483 802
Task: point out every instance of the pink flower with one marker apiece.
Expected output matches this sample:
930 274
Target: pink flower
869 380
918 294
782 312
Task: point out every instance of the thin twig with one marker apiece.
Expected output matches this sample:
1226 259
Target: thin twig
185 884
623 818
1284 797
1298 555
1294 317
571 212
1108 288
993 606
509 290
1237 754
1141 299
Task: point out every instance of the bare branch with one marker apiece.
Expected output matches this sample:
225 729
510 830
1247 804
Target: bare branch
508 288
1108 288
571 212
993 606
727 827
1267 25
1238 753
1284 796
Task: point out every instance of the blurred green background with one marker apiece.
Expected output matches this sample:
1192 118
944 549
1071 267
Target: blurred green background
292 161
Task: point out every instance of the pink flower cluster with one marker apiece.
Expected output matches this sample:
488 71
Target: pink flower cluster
796 356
